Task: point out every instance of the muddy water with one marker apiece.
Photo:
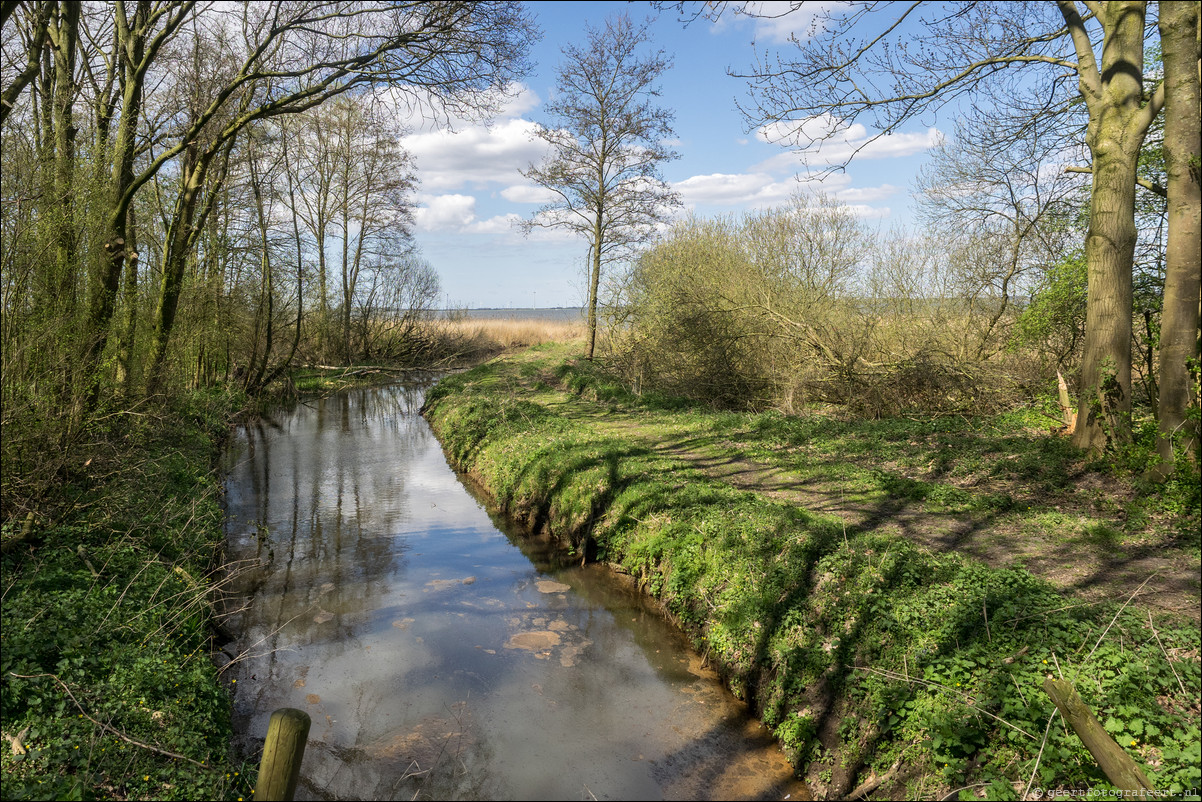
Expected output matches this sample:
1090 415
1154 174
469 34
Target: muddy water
442 657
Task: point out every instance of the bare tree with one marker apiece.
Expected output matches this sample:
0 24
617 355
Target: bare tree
607 141
1005 204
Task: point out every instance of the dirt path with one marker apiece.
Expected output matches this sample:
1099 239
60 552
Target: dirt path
1155 573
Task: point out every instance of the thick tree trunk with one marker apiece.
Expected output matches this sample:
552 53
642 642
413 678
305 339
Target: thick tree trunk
1179 343
1118 121
1105 395
175 258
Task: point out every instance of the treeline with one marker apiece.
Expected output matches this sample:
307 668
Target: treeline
197 193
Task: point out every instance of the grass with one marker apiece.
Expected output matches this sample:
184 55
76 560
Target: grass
469 341
867 653
107 685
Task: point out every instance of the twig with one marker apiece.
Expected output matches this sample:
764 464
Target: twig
1116 617
1039 757
104 726
955 793
1167 659
895 675
874 782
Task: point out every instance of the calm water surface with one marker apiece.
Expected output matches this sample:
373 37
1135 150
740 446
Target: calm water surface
441 656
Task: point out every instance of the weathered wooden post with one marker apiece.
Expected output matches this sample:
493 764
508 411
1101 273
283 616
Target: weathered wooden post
287 733
1120 769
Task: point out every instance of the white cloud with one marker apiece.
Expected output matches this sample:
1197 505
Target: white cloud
527 193
736 189
423 113
474 157
820 141
866 194
445 212
501 224
757 189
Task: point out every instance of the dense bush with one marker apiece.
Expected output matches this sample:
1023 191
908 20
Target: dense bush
803 304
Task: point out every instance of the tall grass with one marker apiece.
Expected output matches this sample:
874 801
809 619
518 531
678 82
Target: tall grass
467 340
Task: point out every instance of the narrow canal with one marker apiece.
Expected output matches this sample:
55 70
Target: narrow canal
442 655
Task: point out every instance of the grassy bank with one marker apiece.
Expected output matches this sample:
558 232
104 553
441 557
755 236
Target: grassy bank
111 548
877 656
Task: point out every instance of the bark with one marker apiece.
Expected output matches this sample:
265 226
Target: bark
187 221
1179 343
64 38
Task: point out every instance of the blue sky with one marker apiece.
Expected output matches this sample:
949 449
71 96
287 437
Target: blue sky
471 189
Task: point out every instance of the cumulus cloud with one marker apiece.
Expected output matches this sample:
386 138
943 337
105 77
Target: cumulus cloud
824 140
474 157
756 189
866 194
444 212
733 189
456 214
501 224
527 193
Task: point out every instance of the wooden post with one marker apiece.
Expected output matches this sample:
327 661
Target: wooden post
1120 769
287 733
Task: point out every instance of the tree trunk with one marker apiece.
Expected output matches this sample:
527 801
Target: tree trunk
1118 122
1179 343
65 40
594 285
130 51
176 250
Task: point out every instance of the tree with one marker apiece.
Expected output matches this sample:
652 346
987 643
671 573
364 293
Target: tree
607 143
173 86
1004 203
451 52
862 65
1179 32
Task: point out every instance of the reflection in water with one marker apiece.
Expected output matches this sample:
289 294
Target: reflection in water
441 658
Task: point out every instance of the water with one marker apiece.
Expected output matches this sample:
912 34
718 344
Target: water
441 656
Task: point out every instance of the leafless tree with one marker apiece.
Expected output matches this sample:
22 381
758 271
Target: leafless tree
608 140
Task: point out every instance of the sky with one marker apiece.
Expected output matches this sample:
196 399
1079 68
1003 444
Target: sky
472 192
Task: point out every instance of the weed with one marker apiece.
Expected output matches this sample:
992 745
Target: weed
105 666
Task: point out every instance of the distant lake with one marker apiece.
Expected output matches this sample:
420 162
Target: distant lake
566 313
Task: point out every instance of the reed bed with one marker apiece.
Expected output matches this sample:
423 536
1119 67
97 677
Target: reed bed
470 339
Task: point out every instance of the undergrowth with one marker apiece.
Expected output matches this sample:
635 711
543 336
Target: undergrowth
867 655
107 687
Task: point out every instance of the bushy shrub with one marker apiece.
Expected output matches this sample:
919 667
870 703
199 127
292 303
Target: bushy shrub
802 305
